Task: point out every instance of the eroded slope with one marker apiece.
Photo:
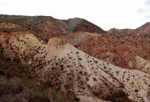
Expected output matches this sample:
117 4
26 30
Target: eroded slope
66 68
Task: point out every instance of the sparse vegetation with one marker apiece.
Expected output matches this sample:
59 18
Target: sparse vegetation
12 71
37 98
119 96
60 96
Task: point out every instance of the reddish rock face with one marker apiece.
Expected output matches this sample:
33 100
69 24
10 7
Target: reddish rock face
88 27
117 50
105 49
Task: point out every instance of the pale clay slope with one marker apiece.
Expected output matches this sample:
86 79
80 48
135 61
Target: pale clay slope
63 66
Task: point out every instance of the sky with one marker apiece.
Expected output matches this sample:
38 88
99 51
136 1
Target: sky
106 14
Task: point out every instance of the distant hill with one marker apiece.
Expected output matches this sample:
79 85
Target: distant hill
45 26
142 30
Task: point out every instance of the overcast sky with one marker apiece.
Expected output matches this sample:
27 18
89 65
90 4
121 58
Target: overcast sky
106 14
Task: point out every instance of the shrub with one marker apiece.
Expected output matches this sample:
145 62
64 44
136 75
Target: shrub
119 96
37 98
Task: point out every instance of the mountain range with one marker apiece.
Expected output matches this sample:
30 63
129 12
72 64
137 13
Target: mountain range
43 59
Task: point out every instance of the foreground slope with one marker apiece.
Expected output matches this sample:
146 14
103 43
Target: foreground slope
63 67
95 73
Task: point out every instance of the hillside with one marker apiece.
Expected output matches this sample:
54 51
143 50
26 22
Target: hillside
70 61
66 68
112 49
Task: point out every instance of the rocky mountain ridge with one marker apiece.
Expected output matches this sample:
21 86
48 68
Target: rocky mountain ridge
47 27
